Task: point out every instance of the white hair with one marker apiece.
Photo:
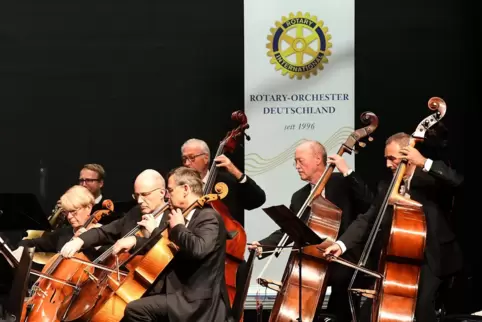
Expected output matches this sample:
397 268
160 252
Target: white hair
200 143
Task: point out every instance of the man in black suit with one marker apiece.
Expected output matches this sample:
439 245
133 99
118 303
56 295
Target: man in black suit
192 288
431 183
149 192
244 193
347 191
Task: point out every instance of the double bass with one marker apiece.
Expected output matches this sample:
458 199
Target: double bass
324 220
48 294
395 294
236 241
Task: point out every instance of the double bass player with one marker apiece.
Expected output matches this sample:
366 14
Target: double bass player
431 183
347 191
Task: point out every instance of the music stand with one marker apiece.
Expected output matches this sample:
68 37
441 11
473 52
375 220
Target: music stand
298 231
22 211
14 305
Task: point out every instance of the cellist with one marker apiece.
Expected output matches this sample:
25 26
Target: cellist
431 183
244 192
192 288
77 204
347 191
149 192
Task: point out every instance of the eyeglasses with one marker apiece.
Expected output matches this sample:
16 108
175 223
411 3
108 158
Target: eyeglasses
191 158
87 180
136 195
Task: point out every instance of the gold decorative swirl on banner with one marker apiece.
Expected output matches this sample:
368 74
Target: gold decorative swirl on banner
255 164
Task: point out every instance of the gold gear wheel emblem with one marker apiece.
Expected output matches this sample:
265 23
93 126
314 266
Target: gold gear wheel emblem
299 45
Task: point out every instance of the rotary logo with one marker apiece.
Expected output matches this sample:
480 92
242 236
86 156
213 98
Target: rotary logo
299 45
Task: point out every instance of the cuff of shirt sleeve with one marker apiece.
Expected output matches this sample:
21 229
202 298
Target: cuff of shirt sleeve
342 246
428 165
244 178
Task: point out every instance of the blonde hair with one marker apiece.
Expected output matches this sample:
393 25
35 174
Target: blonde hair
75 198
188 176
96 168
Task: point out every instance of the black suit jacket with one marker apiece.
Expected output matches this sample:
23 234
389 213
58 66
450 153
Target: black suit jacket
110 233
194 281
241 196
116 214
433 190
349 193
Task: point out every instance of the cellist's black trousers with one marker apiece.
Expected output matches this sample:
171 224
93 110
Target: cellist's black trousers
151 308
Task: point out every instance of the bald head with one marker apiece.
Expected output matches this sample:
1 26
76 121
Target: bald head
149 190
314 147
150 178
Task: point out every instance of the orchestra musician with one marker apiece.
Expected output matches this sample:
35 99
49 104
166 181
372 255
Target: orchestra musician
92 176
431 183
244 192
193 287
347 191
77 204
149 192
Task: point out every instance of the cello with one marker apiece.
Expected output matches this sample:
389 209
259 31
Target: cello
113 293
48 294
324 220
395 294
236 241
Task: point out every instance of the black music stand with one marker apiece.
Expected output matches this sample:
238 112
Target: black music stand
21 211
13 306
298 231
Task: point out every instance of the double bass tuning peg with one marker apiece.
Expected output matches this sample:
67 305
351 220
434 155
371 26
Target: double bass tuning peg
370 139
362 144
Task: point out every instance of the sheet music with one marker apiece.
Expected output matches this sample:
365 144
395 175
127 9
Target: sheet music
17 253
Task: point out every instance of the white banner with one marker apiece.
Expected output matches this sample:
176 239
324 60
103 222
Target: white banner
299 84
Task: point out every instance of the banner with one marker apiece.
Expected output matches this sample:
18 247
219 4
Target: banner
299 85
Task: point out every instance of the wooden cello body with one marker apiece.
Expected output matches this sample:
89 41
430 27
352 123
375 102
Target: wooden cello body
324 220
236 241
105 299
48 294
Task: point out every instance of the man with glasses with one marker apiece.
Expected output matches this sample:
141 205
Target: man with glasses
244 193
433 184
192 288
348 192
149 193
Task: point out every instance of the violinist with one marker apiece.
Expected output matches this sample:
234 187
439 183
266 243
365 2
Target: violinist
347 191
431 183
77 204
193 287
149 192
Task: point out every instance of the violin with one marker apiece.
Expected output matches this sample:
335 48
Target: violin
49 293
395 294
117 289
325 221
